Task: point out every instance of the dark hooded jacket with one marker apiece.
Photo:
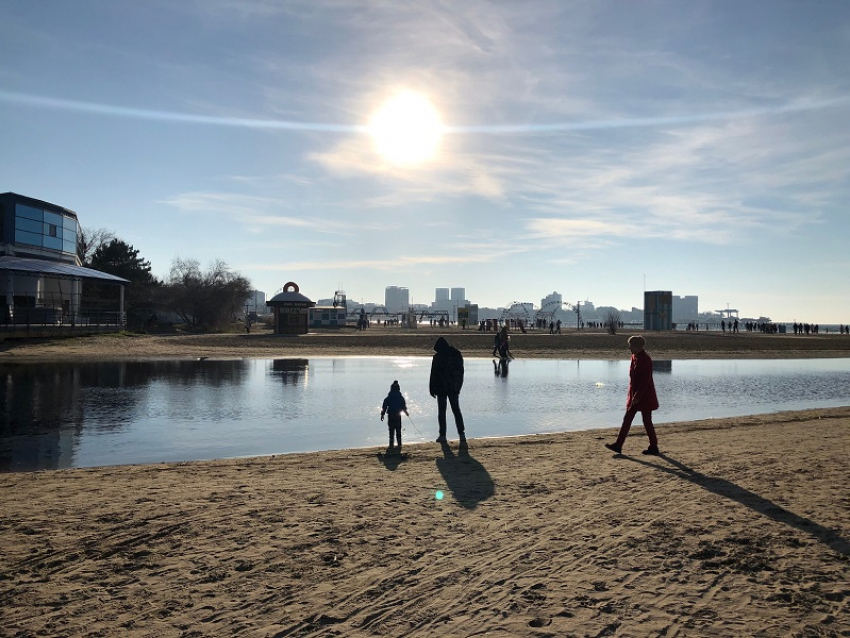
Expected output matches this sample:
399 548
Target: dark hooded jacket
446 369
394 404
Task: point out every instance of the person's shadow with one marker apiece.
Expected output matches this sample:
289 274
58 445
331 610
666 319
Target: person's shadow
392 458
467 480
757 503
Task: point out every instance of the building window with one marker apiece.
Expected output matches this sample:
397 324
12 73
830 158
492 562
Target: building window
28 225
44 229
26 238
29 212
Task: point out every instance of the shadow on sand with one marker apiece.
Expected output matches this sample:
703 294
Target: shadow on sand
392 458
757 503
467 480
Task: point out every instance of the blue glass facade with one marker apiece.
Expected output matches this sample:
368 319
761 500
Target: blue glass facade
46 229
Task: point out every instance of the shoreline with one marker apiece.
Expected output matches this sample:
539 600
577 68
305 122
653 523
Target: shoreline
741 527
399 342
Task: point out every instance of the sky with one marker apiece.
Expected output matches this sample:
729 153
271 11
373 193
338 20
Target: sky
596 149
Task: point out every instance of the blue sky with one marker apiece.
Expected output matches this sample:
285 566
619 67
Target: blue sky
596 149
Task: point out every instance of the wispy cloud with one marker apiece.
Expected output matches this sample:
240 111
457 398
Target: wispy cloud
247 210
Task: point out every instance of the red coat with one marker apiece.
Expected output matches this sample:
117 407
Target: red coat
641 386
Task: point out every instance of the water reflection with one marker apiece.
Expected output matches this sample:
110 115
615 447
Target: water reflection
663 366
500 367
290 371
62 415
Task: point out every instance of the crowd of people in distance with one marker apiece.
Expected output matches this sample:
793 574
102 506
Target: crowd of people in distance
806 328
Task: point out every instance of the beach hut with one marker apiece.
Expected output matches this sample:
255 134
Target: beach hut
290 309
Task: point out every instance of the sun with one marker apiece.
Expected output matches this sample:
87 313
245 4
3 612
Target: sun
407 129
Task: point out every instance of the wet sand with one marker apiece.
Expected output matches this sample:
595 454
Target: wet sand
740 528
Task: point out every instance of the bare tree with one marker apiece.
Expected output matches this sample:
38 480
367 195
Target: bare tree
612 321
91 239
206 299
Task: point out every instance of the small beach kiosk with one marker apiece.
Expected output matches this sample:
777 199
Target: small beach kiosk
290 309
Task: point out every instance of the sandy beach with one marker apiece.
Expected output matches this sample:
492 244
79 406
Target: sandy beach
740 528
384 341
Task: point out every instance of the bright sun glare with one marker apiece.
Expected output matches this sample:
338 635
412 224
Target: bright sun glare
406 129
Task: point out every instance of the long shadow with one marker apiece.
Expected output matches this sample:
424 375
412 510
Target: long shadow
467 480
757 503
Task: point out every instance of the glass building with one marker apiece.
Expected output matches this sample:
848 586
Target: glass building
39 229
40 273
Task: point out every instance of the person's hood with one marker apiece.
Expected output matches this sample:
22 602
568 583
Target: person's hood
441 345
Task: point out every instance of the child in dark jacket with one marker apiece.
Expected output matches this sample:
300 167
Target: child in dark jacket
393 406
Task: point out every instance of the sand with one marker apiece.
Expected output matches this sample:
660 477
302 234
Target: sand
740 528
572 344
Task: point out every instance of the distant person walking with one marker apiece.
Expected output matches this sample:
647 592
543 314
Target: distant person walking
393 406
642 397
445 384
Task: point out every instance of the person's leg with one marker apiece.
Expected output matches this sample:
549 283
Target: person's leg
455 403
650 429
398 431
441 414
628 417
390 427
395 429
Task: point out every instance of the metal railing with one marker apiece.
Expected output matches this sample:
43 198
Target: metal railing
19 317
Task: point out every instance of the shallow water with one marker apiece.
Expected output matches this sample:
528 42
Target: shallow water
94 414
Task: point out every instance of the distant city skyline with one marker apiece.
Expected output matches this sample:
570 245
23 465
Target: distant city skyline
597 149
398 297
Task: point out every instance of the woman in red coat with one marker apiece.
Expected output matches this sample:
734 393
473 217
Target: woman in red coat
642 397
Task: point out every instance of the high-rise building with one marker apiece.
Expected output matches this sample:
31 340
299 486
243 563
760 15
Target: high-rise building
441 296
657 310
685 308
554 298
459 296
396 299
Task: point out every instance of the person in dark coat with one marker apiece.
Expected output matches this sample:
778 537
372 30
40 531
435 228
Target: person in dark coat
393 406
446 382
642 397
